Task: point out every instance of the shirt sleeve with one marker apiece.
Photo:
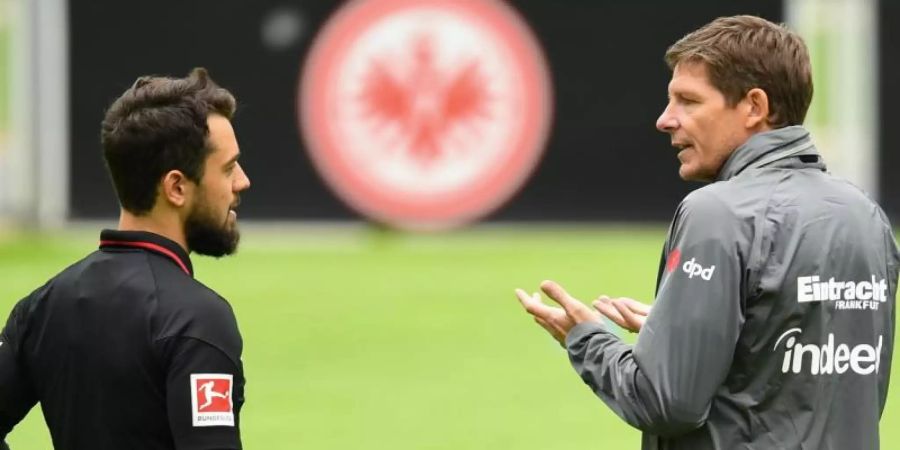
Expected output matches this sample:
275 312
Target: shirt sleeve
205 392
665 383
893 268
17 395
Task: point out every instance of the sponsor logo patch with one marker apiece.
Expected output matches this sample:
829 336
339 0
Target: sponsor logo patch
828 358
693 269
860 295
673 260
425 114
211 403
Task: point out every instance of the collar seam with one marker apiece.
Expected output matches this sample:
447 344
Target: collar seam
150 246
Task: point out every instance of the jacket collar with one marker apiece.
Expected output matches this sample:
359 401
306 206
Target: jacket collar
773 148
149 242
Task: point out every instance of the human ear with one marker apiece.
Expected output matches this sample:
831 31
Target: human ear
176 188
757 102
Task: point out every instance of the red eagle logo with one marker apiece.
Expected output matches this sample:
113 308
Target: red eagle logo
425 103
425 114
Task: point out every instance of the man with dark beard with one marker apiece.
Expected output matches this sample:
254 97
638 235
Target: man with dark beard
125 349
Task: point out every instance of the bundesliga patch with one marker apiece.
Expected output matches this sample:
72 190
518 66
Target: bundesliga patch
211 403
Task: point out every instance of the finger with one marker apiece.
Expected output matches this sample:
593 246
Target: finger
636 306
528 301
524 297
559 295
607 309
633 320
550 329
533 305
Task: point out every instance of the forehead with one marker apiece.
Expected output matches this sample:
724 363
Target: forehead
221 138
690 77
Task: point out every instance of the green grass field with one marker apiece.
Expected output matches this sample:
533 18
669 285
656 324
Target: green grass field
361 339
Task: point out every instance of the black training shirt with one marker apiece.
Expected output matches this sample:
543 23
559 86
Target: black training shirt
125 350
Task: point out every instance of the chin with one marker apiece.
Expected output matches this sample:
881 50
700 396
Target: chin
693 174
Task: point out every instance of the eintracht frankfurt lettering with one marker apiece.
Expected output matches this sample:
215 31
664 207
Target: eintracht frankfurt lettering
845 294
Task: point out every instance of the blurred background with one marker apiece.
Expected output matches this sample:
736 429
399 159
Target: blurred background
518 136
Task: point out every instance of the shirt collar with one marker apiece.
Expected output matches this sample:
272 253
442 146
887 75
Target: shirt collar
150 242
773 147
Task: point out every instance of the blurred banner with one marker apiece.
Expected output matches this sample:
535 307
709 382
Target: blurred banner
34 165
842 39
888 97
6 47
441 111
603 159
425 113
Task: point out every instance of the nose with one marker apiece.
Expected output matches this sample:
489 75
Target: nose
242 181
666 121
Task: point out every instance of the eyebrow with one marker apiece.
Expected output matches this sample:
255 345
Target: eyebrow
233 159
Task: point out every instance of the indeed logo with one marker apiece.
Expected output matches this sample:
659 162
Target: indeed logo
693 269
828 358
845 294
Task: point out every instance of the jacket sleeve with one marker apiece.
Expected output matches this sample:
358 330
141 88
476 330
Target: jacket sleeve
893 268
204 395
665 383
17 395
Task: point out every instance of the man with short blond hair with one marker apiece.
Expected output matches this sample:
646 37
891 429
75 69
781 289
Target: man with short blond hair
773 325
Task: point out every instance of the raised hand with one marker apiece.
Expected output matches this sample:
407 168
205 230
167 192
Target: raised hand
557 321
628 313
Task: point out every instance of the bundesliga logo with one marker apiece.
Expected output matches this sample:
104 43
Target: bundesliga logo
211 401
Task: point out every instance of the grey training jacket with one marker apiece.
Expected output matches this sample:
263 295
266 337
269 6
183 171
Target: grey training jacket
773 325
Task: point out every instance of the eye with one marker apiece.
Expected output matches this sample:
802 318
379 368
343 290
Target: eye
688 100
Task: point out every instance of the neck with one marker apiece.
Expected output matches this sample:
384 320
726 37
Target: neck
167 226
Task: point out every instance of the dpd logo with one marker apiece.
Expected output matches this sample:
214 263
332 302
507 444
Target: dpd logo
693 269
673 260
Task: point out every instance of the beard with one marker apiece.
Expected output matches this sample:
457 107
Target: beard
208 236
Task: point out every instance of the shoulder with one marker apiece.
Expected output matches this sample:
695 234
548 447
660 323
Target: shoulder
63 284
189 309
851 194
709 203
740 200
17 322
717 214
35 305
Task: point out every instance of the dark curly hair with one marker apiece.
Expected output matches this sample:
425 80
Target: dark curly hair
158 125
